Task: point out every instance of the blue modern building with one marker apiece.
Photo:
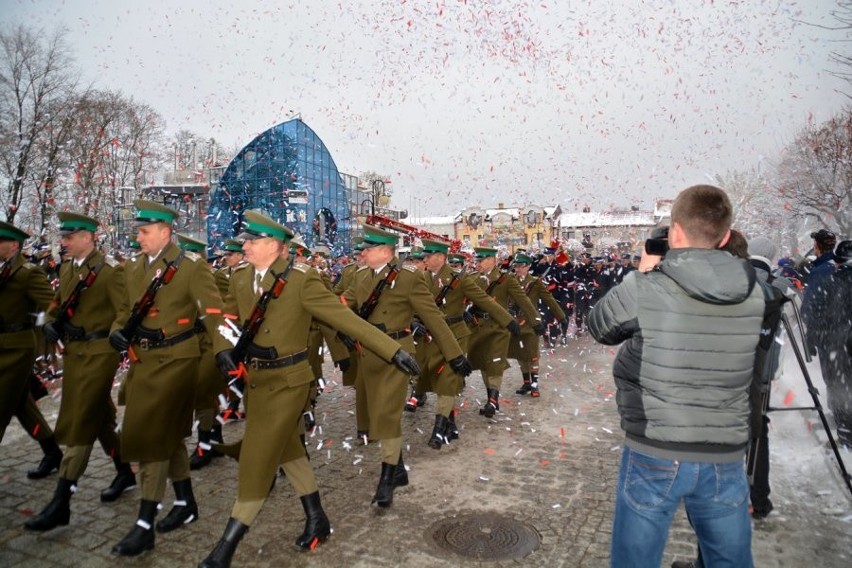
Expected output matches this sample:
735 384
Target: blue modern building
288 174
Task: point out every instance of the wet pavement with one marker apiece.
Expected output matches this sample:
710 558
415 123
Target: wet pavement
546 465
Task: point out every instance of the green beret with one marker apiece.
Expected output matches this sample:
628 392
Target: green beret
374 236
430 246
192 245
148 212
484 252
256 225
10 232
70 222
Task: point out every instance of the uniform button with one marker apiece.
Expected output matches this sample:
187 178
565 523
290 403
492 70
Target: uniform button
254 386
265 331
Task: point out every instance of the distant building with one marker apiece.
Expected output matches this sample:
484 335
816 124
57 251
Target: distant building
620 230
529 227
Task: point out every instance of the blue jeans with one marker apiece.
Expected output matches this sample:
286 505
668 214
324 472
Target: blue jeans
650 491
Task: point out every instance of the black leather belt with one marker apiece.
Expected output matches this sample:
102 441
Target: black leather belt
399 334
146 344
87 336
256 363
454 319
14 327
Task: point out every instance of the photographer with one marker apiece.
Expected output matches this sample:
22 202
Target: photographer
690 323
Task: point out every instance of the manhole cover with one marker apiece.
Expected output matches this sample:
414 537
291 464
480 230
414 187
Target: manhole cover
485 537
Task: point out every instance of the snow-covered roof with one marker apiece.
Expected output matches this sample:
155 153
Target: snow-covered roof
607 219
425 221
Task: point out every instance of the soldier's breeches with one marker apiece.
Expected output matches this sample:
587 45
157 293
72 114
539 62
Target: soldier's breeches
179 465
444 405
273 426
493 381
391 448
246 511
205 418
152 480
32 419
74 462
301 476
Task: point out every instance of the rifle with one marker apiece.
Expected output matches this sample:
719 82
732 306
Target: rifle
144 304
66 310
367 307
451 285
258 313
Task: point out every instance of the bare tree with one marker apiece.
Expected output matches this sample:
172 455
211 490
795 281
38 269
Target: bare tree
36 79
815 174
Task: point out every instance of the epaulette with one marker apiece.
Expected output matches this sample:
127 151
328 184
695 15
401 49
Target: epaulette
28 265
239 267
301 267
362 268
111 261
410 268
194 257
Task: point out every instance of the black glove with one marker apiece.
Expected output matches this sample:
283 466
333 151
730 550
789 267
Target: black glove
461 366
538 329
51 334
226 364
514 328
406 362
467 317
346 340
418 330
118 341
343 365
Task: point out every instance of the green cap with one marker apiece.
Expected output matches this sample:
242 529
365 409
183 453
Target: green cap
374 236
148 212
430 246
322 250
9 232
416 253
484 252
256 225
70 222
298 246
456 257
523 258
190 244
233 245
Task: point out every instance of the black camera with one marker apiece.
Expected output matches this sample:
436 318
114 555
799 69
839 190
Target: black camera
658 244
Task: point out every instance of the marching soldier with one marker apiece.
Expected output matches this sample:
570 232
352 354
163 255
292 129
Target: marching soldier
489 343
232 258
169 290
209 385
525 348
24 293
91 291
451 290
279 376
388 298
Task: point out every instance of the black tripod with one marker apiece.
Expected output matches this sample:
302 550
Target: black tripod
751 457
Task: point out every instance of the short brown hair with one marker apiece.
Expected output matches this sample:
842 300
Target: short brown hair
704 213
737 245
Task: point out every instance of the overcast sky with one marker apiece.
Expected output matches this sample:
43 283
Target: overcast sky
466 102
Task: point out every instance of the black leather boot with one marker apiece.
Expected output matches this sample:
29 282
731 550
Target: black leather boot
493 404
439 431
51 460
384 492
124 480
185 509
400 476
412 403
221 555
526 387
534 392
317 527
58 511
203 453
141 536
452 429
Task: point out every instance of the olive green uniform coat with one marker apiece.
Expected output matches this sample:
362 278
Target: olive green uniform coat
437 376
526 347
86 411
26 293
490 340
160 387
386 385
276 397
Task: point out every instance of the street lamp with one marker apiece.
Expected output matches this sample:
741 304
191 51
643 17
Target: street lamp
378 191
